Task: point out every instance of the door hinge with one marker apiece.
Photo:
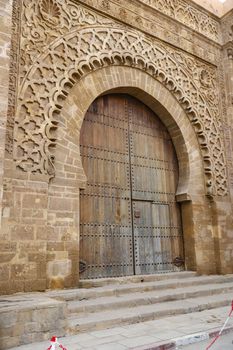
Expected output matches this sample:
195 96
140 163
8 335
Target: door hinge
178 261
82 266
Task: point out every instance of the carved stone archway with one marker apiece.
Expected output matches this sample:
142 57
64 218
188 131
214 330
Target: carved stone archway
191 186
123 79
64 54
76 54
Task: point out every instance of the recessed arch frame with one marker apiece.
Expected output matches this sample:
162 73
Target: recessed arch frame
191 187
122 79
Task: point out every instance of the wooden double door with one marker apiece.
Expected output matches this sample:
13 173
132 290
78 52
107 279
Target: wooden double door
129 222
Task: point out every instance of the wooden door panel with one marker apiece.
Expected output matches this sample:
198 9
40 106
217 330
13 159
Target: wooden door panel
144 244
161 215
145 145
142 116
108 251
106 246
148 180
130 162
104 210
155 246
104 137
154 173
175 217
114 177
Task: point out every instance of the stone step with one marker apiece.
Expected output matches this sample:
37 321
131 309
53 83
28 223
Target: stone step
123 316
101 282
120 289
154 334
147 297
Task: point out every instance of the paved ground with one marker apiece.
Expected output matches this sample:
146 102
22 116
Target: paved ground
142 335
223 343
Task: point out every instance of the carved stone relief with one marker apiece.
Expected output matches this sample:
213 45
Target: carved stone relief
168 28
189 15
226 126
44 21
227 29
207 80
182 11
227 93
13 76
62 41
204 76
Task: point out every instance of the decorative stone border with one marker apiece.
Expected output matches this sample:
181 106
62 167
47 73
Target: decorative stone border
76 54
189 15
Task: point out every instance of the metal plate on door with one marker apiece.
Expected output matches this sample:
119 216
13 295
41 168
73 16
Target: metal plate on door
137 214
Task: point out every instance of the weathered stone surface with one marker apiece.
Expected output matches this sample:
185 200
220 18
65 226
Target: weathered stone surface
177 60
35 317
29 319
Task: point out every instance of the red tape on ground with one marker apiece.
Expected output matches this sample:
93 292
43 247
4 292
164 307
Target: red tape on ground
54 342
222 329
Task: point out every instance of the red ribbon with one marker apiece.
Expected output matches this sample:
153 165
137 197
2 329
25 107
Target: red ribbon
220 332
60 346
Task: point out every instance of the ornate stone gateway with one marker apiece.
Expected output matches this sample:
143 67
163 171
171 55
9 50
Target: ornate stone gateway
130 221
57 57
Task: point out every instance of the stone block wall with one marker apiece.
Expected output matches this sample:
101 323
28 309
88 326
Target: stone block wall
51 82
30 319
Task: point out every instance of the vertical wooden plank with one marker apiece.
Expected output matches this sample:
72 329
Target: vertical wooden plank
154 171
106 230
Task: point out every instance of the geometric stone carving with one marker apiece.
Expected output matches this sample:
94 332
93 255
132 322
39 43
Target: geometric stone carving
182 11
189 15
226 87
13 74
49 75
44 21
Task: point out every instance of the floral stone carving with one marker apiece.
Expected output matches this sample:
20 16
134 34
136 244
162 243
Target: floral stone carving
75 54
45 21
50 11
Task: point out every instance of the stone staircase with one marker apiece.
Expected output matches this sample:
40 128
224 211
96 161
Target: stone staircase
109 303
106 303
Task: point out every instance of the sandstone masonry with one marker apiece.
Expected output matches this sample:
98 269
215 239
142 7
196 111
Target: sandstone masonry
56 57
